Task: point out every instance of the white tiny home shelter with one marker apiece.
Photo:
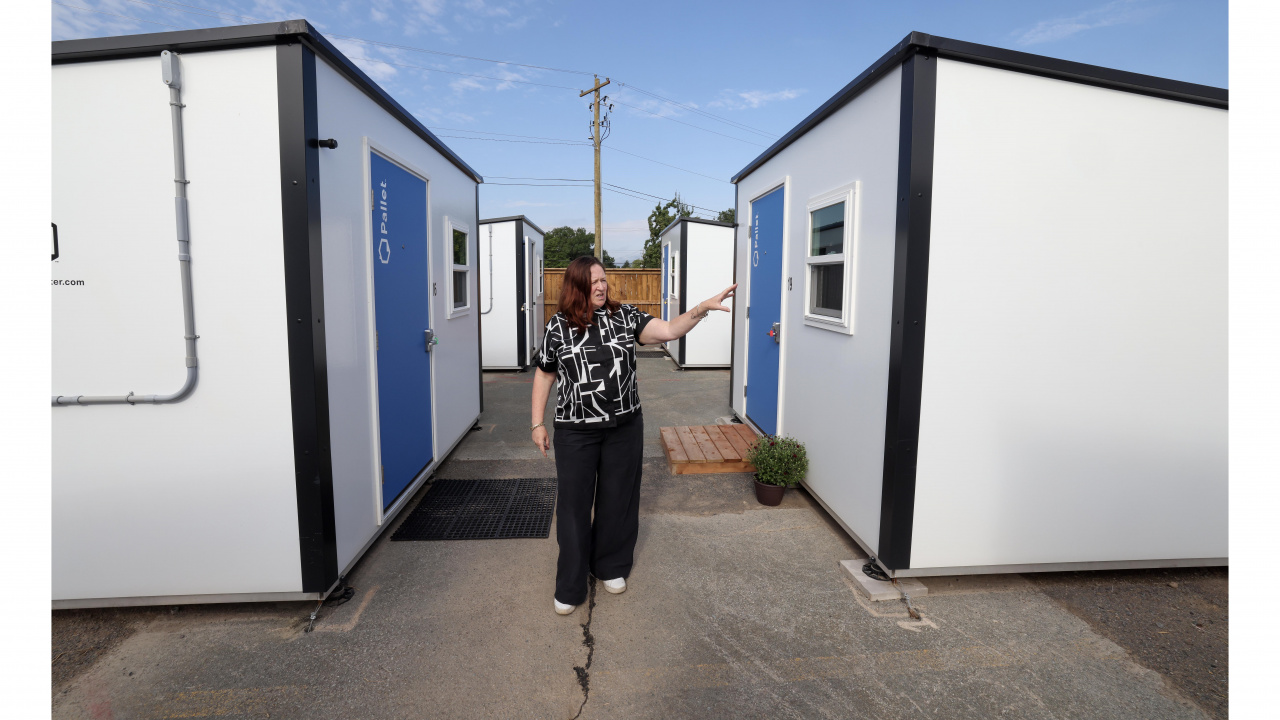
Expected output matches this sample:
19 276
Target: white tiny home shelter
331 236
697 263
1001 285
511 292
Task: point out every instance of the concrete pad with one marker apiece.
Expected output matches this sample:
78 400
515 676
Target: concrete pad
881 590
733 610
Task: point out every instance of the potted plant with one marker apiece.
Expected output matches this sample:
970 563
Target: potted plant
780 463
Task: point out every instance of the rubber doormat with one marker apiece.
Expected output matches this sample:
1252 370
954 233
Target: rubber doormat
482 510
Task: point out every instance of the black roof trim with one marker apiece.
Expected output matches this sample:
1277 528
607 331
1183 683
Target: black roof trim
690 218
276 33
1000 58
526 220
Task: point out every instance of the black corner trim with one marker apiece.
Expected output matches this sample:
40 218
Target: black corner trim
684 282
479 318
304 302
522 305
910 293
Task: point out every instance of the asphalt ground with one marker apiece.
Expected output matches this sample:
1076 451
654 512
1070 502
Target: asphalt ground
733 610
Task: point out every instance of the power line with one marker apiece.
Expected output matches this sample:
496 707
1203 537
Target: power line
692 172
660 199
699 111
562 141
464 57
126 17
621 190
504 177
453 72
697 213
539 185
377 42
665 117
531 142
485 132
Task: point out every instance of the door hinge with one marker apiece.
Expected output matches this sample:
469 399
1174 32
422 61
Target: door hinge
744 391
373 198
748 311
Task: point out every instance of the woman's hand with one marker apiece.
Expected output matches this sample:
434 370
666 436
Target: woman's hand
660 331
716 302
541 440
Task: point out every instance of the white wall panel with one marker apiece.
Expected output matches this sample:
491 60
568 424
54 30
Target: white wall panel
500 326
1074 399
710 270
833 384
195 497
346 114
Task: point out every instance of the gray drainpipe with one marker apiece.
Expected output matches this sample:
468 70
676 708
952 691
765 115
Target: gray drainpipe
172 77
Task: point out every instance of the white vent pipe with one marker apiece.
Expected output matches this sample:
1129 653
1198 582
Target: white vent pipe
171 74
486 312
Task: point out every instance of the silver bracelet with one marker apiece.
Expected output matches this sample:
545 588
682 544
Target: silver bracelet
535 427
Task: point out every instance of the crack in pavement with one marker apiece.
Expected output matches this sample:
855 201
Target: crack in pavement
589 640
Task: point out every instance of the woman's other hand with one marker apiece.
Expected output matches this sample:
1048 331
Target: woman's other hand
716 302
541 440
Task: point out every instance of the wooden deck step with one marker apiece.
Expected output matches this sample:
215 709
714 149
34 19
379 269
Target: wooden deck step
707 448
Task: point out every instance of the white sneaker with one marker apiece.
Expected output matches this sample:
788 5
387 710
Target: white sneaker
616 586
562 609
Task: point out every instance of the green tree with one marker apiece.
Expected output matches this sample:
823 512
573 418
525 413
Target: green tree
662 216
564 244
727 216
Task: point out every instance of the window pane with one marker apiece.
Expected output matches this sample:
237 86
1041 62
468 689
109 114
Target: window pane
828 231
459 247
828 289
459 288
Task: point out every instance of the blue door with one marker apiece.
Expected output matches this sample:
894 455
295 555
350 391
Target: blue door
666 274
402 296
765 310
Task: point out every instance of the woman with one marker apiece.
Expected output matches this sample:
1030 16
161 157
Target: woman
589 347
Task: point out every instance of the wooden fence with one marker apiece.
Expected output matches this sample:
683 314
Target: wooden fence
642 288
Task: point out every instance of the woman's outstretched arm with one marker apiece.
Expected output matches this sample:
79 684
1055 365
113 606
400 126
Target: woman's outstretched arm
660 331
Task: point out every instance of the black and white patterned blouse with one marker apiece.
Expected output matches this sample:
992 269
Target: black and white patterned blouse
596 369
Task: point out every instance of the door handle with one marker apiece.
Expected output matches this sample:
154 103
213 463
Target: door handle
431 339
775 332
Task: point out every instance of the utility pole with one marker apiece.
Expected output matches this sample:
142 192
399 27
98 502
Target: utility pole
595 130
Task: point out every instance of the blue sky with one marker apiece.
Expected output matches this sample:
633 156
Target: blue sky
743 74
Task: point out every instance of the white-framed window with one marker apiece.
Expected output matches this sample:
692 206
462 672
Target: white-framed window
458 239
673 289
829 259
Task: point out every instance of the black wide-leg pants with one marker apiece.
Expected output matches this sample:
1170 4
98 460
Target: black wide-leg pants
601 468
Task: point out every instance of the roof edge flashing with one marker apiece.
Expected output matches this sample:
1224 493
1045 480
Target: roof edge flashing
272 33
1012 60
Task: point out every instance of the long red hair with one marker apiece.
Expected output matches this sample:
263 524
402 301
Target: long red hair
575 293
